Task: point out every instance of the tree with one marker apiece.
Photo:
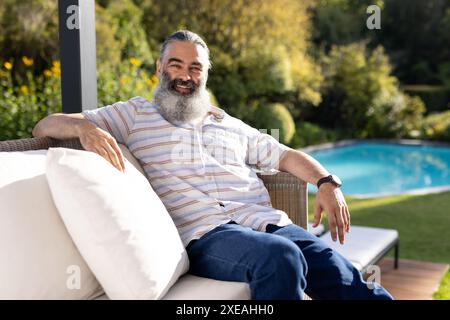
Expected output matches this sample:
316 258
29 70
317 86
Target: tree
363 98
258 47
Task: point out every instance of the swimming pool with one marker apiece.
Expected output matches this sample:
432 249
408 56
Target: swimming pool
376 169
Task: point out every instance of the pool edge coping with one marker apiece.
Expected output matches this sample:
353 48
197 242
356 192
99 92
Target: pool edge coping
348 142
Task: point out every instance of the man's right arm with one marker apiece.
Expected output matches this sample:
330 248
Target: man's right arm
92 138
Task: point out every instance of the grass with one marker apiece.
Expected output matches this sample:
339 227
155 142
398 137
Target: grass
422 222
443 292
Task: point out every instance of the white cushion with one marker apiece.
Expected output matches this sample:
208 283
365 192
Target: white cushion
190 287
363 244
118 223
38 259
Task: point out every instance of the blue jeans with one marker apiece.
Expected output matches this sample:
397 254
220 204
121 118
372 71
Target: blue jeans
281 263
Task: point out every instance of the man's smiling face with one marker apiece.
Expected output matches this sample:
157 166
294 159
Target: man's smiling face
185 63
181 92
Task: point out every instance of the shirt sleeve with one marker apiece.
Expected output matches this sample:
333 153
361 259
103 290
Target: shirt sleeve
264 151
117 119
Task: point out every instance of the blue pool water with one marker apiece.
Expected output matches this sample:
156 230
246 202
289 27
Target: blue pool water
369 169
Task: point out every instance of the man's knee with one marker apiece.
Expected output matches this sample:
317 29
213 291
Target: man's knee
284 256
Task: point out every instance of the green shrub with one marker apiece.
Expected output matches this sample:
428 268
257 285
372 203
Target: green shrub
436 126
364 99
126 80
213 98
307 133
29 27
226 83
396 115
265 71
26 99
129 32
275 116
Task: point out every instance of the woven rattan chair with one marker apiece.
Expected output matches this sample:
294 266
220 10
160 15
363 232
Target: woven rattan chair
287 192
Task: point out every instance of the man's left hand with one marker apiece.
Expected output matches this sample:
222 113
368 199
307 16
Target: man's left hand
330 199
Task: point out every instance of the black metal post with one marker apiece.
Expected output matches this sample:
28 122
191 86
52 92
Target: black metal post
77 55
397 245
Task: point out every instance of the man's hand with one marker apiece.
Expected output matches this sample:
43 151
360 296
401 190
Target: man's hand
101 142
330 199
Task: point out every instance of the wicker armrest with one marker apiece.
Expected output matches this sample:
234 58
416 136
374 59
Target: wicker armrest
289 194
38 143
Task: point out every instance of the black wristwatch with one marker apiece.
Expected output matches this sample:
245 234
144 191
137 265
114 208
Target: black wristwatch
333 179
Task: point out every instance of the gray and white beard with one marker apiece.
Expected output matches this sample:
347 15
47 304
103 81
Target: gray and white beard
177 108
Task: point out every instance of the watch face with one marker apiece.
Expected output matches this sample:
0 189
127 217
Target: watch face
336 179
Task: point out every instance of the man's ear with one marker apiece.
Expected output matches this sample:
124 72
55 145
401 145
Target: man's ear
158 67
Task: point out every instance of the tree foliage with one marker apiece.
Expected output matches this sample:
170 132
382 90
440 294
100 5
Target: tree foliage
362 96
270 116
309 60
258 48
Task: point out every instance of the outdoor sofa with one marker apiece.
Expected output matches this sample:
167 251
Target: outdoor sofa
366 246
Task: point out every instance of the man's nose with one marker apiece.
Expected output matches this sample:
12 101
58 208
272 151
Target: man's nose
184 75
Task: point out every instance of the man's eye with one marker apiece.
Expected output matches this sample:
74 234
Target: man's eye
176 66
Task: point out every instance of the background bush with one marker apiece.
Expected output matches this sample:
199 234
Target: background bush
275 116
307 133
437 126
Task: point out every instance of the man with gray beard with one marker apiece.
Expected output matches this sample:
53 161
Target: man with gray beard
219 205
177 107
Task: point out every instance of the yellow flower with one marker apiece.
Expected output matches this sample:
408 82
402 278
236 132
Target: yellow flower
56 72
56 64
149 82
135 62
8 65
154 79
27 61
56 68
47 73
24 89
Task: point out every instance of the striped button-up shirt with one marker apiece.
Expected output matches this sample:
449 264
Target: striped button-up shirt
203 173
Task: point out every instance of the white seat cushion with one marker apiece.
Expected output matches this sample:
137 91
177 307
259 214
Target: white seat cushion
190 287
362 244
198 288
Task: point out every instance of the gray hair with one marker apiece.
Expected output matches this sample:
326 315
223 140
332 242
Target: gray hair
184 35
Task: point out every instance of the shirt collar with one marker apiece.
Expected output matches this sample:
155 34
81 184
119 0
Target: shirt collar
217 113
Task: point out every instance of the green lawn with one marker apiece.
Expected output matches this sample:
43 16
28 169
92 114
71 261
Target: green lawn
423 223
